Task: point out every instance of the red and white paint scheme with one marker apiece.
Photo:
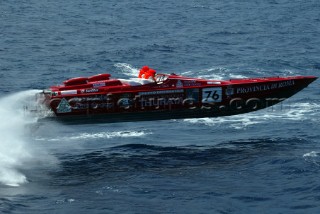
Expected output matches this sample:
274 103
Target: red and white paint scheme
101 98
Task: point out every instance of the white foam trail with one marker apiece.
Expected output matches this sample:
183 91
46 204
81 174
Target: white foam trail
127 69
236 122
109 135
15 153
99 135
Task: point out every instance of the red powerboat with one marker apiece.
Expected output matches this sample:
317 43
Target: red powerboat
101 98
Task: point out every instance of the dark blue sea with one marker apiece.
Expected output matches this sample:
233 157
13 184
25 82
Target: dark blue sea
262 162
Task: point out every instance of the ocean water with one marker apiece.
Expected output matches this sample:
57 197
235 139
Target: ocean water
262 162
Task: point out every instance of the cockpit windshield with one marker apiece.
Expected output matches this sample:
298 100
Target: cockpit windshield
160 78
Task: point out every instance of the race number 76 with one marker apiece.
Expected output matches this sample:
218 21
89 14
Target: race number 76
211 95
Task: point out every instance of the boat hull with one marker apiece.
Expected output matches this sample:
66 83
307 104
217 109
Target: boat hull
181 99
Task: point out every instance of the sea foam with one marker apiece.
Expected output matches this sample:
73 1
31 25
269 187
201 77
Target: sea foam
16 151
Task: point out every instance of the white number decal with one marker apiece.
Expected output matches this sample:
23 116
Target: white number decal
211 95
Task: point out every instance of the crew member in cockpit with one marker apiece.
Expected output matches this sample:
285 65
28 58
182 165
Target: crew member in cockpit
150 75
143 71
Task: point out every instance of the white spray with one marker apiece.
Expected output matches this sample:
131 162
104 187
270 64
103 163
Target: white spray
127 69
15 153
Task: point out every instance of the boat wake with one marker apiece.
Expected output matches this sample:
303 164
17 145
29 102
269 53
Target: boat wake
98 135
16 151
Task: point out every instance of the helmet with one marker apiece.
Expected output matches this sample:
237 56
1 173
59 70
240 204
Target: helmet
145 68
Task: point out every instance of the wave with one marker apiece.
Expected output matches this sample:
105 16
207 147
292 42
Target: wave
312 157
312 154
